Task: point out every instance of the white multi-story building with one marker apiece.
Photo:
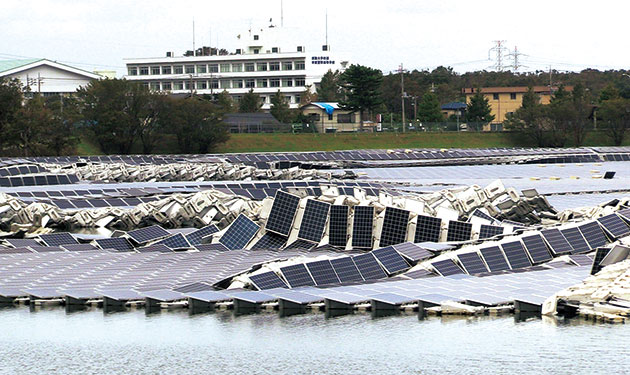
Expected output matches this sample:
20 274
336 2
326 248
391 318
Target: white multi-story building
264 63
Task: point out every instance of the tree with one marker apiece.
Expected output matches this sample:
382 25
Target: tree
329 87
280 108
429 109
609 92
307 96
478 109
615 114
62 139
117 112
10 103
361 86
530 118
578 124
225 102
250 102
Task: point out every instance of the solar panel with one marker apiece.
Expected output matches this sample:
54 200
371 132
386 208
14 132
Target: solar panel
15 250
22 242
297 275
300 245
516 255
600 254
390 259
322 272
195 237
79 247
428 229
488 231
494 258
282 213
58 239
160 248
362 226
472 263
413 252
536 248
394 230
338 225
211 247
614 225
115 243
267 280
478 213
270 241
369 267
458 231
556 241
176 241
240 232
593 234
447 267
144 235
314 220
576 240
46 249
581 259
346 269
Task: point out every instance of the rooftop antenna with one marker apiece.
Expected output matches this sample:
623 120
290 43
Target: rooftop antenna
193 36
326 26
281 14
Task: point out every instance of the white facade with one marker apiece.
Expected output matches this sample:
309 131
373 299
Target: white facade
264 63
47 77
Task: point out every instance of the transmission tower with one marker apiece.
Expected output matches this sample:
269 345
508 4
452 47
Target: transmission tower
499 50
514 55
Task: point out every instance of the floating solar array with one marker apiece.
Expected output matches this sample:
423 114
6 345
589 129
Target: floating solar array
322 272
282 213
390 259
614 225
458 231
338 225
394 230
362 227
240 232
346 270
314 220
147 234
488 231
428 229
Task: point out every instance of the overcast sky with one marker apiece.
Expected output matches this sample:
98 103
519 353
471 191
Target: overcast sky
568 35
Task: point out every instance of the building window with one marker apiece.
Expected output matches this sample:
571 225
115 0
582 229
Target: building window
287 99
213 68
190 69
287 65
187 85
263 99
178 69
298 98
237 67
155 70
345 118
250 67
166 86
202 85
226 84
155 86
513 95
300 82
274 82
237 98
178 85
287 82
274 66
145 85
261 67
255 37
237 83
250 83
256 51
201 69
144 70
261 83
225 68
299 65
330 117
214 84
166 70
132 71
495 96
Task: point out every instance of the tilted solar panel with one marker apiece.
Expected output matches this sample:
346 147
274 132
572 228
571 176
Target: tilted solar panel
600 254
282 213
447 267
494 258
338 225
322 272
297 275
390 259
472 263
267 280
577 241
369 267
394 230
488 231
428 229
115 243
314 220
614 225
516 255
144 235
362 226
593 234
557 242
195 238
240 232
346 269
176 241
537 248
458 231
58 239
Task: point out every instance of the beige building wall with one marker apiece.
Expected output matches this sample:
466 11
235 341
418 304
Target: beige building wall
324 121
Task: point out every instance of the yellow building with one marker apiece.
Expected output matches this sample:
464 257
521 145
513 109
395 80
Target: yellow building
329 118
506 100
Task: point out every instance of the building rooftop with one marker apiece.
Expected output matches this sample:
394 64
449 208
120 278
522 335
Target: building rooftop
454 106
513 89
6 65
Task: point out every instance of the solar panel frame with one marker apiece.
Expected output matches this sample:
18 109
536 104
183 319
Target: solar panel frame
394 229
239 233
369 267
516 255
537 248
600 254
576 240
338 225
593 234
390 260
428 229
115 243
323 272
362 227
346 269
22 242
147 234
58 239
489 231
494 258
270 240
447 267
176 241
472 263
267 280
297 275
314 220
614 225
282 213
195 238
458 231
556 241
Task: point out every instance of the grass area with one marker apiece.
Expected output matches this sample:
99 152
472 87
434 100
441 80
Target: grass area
329 142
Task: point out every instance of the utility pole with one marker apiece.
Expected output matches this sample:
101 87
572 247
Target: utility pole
39 83
402 94
499 49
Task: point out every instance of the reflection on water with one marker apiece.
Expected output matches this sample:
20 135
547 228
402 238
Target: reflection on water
89 341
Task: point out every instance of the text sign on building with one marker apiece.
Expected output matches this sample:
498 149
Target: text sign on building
321 60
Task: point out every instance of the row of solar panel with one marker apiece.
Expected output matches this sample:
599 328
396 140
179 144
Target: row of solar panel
21 169
38 180
565 159
617 157
377 264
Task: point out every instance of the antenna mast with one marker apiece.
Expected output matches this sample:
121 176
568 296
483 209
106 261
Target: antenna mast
326 26
281 14
193 36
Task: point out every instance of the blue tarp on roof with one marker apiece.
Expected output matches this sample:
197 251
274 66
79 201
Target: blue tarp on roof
326 106
454 106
